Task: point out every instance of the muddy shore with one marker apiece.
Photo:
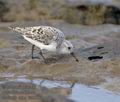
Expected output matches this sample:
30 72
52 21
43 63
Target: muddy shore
89 42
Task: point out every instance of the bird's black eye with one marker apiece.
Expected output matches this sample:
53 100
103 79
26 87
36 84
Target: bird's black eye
69 48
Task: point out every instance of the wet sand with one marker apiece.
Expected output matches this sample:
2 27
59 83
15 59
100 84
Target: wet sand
90 44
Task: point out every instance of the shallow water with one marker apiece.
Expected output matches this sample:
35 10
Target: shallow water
79 93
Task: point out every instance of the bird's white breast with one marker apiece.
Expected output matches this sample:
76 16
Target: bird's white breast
50 47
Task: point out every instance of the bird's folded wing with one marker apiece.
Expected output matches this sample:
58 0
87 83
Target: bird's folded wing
43 34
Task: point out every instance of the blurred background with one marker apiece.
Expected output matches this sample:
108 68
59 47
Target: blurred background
87 12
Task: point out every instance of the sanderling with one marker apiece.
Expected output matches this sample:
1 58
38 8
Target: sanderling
46 38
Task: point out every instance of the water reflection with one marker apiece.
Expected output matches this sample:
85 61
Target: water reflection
78 92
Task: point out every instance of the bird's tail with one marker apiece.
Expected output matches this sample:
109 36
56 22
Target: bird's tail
17 29
11 28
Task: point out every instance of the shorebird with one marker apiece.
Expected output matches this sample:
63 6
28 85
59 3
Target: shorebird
46 38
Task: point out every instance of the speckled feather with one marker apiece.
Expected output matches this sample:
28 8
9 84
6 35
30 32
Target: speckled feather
43 34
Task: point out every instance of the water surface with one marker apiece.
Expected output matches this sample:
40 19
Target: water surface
79 93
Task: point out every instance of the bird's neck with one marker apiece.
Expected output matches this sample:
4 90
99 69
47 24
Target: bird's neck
62 48
51 47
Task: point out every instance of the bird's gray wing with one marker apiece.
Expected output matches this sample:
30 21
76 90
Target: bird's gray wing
43 34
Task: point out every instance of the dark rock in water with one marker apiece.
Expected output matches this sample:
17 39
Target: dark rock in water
100 47
95 57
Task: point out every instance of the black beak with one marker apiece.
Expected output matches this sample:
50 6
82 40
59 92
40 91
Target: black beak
74 56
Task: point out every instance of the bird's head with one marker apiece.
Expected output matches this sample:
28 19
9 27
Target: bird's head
67 48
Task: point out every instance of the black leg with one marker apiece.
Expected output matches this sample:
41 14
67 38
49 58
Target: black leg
73 84
33 46
42 55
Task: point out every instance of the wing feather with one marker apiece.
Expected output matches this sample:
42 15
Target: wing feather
43 34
